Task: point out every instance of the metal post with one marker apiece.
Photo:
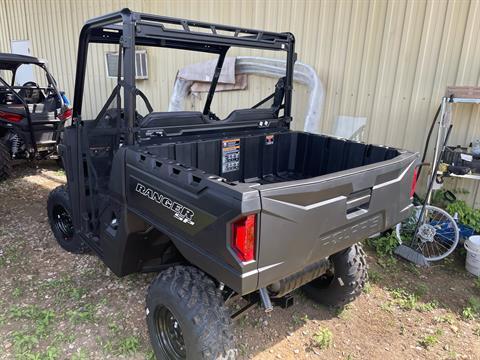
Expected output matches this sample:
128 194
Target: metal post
128 44
291 58
440 140
213 85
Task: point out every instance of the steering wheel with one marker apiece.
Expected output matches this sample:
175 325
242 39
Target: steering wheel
30 84
33 92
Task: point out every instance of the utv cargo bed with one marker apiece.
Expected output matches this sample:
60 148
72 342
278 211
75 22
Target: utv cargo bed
315 195
273 157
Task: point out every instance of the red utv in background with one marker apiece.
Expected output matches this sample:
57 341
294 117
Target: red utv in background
32 114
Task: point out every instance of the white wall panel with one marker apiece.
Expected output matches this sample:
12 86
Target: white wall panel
388 61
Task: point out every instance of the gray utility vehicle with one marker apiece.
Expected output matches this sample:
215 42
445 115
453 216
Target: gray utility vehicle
31 114
221 208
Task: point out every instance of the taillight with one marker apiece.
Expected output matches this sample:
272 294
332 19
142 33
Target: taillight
67 114
11 116
243 237
414 183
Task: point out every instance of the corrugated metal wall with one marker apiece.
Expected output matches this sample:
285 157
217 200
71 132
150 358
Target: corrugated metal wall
388 61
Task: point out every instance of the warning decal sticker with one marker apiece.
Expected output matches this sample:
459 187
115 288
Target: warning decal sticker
230 155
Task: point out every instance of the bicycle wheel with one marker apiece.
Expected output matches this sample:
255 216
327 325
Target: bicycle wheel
437 235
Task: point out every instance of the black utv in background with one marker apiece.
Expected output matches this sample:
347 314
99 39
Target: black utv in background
239 207
31 114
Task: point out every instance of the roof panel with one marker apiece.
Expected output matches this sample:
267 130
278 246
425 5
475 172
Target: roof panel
12 61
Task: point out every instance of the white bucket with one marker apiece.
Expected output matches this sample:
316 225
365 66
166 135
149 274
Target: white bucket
473 255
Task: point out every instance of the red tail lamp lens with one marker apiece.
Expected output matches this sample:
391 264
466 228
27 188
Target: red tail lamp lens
414 183
11 116
243 237
67 114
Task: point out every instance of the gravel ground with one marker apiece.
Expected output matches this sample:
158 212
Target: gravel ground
55 305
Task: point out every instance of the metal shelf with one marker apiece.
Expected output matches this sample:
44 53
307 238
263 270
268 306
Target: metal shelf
468 176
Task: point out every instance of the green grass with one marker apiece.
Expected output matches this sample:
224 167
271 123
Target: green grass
426 307
17 292
476 283
242 349
421 290
468 313
413 269
63 288
384 245
474 302
472 310
299 320
430 340
117 346
24 342
150 355
51 353
11 254
128 345
367 289
410 301
323 338
63 338
85 313
32 312
80 355
374 276
445 319
343 312
403 299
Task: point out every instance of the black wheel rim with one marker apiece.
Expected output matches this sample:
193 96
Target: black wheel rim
169 334
63 222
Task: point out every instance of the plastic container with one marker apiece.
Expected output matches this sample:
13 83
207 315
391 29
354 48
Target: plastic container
476 147
472 264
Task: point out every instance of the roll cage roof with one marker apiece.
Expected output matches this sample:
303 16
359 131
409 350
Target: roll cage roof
129 29
13 61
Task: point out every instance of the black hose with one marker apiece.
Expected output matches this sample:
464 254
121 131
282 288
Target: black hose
427 142
432 180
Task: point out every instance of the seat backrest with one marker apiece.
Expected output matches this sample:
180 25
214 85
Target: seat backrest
251 115
174 118
184 118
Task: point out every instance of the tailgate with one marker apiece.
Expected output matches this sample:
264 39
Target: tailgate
306 220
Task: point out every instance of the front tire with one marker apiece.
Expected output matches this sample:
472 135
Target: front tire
60 219
345 281
187 318
5 162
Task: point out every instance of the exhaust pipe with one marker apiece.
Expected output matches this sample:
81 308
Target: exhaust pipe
267 304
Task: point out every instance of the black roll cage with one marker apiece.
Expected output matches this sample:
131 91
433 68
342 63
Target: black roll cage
129 29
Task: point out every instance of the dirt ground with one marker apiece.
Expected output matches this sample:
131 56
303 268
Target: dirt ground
55 305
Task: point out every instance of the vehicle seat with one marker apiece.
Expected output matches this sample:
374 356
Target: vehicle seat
3 97
174 118
32 95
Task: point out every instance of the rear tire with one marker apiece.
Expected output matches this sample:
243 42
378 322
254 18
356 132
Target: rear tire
5 162
187 318
346 280
60 219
